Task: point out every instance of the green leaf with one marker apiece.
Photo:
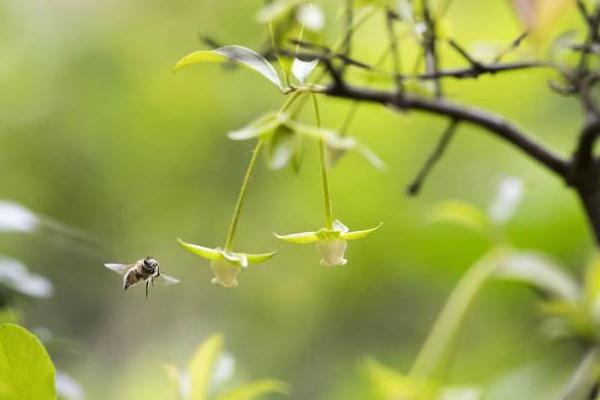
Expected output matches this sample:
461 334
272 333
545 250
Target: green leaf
281 147
332 139
26 371
202 366
237 54
256 389
260 257
539 271
299 238
460 213
353 235
263 125
204 252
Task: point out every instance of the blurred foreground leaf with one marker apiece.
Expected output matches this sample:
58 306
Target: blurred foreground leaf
26 371
202 366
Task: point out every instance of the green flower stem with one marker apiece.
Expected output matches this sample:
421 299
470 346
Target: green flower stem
433 358
242 196
324 174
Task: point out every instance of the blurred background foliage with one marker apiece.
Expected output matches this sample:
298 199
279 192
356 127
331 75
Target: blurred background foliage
97 133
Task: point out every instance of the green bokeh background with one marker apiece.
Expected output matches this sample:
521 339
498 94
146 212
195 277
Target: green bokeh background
96 132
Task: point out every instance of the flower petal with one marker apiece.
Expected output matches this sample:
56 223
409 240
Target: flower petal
260 257
359 234
225 273
332 252
204 252
299 238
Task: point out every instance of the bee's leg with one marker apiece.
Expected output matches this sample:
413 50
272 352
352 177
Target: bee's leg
147 290
152 280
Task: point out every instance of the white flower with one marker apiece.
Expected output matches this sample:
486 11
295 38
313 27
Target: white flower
331 243
226 265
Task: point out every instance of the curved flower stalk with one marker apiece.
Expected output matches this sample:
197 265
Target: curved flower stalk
331 243
226 265
224 262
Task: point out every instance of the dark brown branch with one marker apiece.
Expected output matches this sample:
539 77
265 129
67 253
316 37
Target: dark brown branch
439 150
493 123
590 131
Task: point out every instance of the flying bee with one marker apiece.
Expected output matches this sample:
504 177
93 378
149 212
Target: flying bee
147 270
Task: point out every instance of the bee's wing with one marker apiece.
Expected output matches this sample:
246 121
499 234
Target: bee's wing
168 280
120 269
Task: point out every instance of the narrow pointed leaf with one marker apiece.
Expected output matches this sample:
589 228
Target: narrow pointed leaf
237 54
332 138
202 366
256 389
263 125
299 238
260 257
352 235
204 252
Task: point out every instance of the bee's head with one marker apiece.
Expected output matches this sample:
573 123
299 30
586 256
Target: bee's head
150 265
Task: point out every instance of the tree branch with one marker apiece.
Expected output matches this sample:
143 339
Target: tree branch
439 150
493 123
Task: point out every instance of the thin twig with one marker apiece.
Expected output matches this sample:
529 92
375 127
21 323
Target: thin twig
493 123
437 153
395 51
511 47
430 46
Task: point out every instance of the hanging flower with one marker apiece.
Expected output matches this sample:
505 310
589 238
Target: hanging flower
331 243
226 265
